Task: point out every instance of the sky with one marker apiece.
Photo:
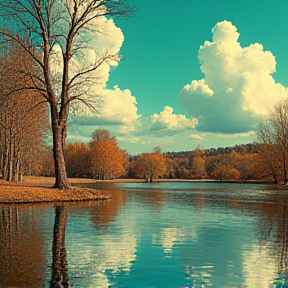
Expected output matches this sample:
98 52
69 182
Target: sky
193 74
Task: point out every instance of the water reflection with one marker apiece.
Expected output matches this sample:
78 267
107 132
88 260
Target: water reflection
102 214
59 264
159 237
22 249
271 230
108 243
273 235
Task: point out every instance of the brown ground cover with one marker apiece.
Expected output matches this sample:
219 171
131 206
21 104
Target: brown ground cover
38 190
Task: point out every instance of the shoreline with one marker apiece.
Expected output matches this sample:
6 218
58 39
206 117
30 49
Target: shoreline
39 189
174 180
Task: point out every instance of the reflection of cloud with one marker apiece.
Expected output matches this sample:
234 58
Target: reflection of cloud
238 87
258 275
120 257
167 237
112 254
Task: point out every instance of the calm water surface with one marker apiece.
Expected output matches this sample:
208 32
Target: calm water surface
151 235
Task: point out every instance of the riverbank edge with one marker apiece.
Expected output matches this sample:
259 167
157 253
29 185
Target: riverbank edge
38 189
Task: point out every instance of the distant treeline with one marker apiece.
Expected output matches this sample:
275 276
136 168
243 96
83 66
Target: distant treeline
102 159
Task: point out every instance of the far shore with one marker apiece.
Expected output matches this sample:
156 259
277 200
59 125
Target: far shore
38 189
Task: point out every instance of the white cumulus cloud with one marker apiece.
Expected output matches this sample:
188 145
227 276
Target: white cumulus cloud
196 136
165 124
96 46
116 112
238 87
114 107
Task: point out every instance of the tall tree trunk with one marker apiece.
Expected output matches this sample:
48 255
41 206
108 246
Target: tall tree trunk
6 161
61 180
17 168
58 130
11 161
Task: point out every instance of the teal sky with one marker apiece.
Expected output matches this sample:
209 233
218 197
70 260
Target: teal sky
163 38
161 45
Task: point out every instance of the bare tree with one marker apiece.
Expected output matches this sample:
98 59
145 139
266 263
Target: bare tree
273 135
23 115
58 30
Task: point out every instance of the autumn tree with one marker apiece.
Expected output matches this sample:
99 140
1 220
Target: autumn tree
247 164
39 161
77 159
222 167
225 172
170 169
198 163
58 32
23 115
105 156
150 166
267 162
125 162
273 134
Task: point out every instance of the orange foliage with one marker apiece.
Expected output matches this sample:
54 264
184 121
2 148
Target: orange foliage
77 159
41 163
225 172
198 164
106 158
23 115
150 166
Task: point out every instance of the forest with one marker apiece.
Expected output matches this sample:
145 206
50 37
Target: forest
102 159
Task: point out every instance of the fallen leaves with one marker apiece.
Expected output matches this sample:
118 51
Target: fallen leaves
16 193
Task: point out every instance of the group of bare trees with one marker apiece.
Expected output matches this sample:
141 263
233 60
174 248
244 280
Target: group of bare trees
41 27
23 118
273 138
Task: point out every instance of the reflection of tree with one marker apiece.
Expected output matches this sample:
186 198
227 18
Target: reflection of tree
22 250
273 223
106 210
154 197
284 230
59 265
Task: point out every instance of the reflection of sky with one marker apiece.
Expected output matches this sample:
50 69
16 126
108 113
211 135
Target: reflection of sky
168 247
92 255
258 275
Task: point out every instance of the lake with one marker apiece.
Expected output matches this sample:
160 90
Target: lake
170 235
